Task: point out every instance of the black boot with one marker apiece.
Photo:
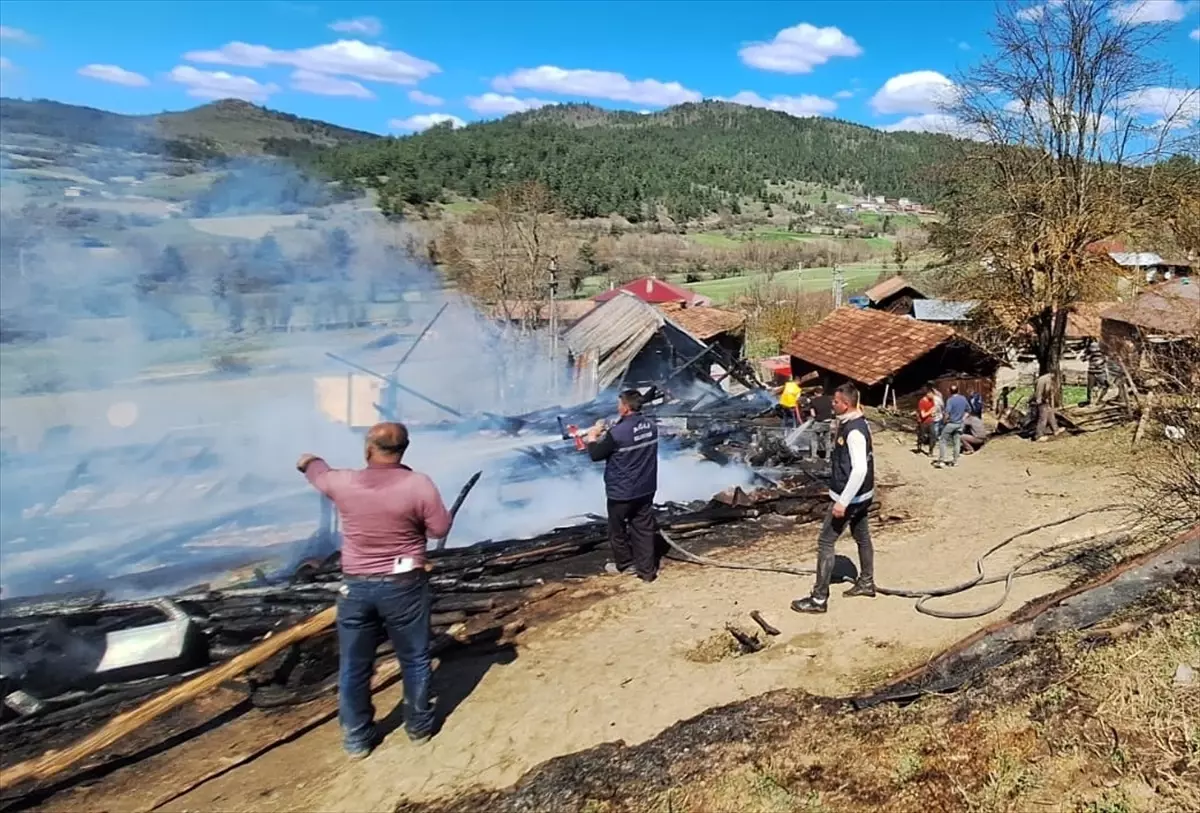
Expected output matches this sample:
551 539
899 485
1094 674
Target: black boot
861 588
810 605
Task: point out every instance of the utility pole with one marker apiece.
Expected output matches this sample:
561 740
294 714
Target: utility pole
800 278
839 279
554 325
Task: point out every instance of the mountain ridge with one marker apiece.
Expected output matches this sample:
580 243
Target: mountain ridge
223 127
692 159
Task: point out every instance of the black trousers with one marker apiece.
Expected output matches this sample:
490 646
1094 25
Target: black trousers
856 518
631 530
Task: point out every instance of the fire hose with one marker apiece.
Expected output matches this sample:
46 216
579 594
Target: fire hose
924 595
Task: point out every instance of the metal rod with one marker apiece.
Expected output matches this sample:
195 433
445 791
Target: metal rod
420 336
462 496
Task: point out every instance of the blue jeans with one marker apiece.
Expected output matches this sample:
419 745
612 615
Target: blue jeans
951 434
365 609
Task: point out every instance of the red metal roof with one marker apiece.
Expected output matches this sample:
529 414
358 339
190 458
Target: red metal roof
866 345
656 292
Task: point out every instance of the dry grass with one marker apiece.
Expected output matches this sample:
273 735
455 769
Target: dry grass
1075 727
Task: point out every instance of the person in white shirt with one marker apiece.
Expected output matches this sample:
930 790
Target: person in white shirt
852 488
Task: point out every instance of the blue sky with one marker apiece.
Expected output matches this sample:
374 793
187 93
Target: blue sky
398 66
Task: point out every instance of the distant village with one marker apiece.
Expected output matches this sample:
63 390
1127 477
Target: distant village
879 204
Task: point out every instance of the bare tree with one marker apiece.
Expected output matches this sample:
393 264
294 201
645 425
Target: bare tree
1068 123
775 312
501 254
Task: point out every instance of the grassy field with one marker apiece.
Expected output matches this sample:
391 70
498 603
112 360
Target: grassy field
182 188
810 279
461 207
249 227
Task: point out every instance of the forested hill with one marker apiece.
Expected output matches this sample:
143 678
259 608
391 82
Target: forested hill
224 128
693 158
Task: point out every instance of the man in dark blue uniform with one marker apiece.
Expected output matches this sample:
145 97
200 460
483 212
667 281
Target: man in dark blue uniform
629 450
852 487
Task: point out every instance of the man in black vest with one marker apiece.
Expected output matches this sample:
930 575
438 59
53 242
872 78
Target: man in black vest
630 451
852 487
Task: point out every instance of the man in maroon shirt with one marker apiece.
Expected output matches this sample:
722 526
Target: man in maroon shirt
388 512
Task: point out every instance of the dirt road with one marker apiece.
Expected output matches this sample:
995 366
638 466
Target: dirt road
636 661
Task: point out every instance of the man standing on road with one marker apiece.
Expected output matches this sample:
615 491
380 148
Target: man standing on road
388 513
939 413
925 412
1097 375
957 409
1043 399
629 450
852 487
821 412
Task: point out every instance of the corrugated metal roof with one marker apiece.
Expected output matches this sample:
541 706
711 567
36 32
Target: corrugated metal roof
887 288
606 341
1135 259
866 346
942 310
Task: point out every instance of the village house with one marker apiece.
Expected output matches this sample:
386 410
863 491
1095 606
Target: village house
626 342
889 357
1164 318
1150 266
655 292
893 295
726 329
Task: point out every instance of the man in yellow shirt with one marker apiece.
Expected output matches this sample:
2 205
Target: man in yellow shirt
789 401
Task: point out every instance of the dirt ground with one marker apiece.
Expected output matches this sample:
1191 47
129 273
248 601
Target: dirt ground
639 658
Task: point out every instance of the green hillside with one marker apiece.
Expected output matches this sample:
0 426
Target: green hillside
227 127
692 159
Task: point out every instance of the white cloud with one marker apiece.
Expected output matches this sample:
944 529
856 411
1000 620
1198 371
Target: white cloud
367 26
799 49
342 58
220 85
596 85
495 103
5 63
414 124
925 123
115 75
964 46
917 92
939 123
1139 12
1195 35
844 94
1038 112
324 85
799 106
7 32
425 98
1175 106
1035 13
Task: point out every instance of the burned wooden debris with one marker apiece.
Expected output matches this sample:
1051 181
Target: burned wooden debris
57 685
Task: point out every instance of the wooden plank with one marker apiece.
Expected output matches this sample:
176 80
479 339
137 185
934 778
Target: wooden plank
54 762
